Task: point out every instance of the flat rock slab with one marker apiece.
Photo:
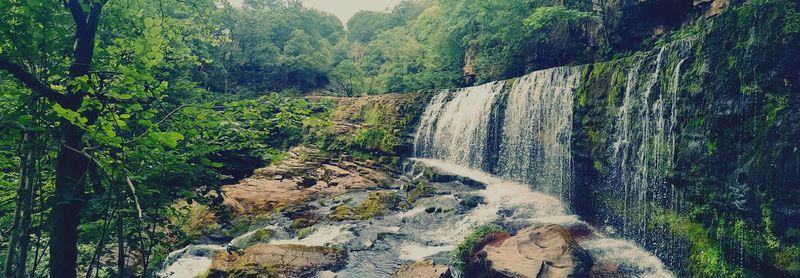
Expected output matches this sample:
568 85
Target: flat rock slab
424 269
301 177
543 251
265 260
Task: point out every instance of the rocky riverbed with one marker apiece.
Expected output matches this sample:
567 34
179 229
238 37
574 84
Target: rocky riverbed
319 217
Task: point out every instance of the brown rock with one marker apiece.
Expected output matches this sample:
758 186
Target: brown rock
424 269
264 260
718 7
543 251
299 178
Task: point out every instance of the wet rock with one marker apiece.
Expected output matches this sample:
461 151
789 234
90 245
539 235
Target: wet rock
307 182
424 269
304 176
433 210
303 222
504 212
471 201
376 204
471 183
605 269
543 251
264 260
403 149
301 211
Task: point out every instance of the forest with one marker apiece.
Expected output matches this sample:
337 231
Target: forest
207 138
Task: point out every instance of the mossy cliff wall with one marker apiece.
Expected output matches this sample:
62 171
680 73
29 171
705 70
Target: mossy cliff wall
722 179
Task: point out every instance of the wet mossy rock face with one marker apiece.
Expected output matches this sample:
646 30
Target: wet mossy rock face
376 127
731 191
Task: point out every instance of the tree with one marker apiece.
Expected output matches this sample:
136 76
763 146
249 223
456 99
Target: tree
71 162
349 77
365 25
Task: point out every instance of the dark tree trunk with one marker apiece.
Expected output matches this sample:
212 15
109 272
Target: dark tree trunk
68 200
71 163
22 192
31 156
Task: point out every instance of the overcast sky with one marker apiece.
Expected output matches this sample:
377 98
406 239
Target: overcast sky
344 9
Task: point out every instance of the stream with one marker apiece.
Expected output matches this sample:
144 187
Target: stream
431 229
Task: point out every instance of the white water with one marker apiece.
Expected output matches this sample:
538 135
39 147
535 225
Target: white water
532 207
520 130
537 130
457 130
190 261
525 130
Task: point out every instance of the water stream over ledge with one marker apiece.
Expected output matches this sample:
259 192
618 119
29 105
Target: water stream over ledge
431 229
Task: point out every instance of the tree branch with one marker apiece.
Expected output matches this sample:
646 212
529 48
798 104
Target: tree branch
31 81
78 15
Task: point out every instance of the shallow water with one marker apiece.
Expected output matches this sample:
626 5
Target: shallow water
379 246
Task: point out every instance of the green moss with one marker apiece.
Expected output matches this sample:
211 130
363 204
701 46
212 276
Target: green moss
263 235
706 259
371 116
418 190
300 223
304 232
598 165
376 139
467 246
375 205
788 259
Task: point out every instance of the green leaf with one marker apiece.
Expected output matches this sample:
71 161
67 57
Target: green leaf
25 120
169 139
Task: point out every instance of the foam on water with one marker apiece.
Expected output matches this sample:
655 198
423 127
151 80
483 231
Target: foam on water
628 256
532 208
418 252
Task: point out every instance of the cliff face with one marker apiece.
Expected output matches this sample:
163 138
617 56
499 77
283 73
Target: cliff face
723 178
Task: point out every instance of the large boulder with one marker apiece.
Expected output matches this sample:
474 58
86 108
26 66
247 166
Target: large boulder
424 269
265 260
541 251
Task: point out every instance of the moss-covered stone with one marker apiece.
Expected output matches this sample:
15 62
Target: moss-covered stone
376 204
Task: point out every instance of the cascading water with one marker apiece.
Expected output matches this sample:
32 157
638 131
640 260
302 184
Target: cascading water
457 130
521 132
643 139
537 131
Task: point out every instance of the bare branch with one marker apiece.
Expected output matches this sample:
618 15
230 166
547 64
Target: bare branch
135 198
31 81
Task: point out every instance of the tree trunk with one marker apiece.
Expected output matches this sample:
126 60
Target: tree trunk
71 165
120 237
68 200
31 157
22 192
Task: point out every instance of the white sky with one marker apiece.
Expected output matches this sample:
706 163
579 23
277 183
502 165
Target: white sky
344 9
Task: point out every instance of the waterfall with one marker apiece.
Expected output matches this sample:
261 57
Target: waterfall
537 131
454 127
522 130
644 137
